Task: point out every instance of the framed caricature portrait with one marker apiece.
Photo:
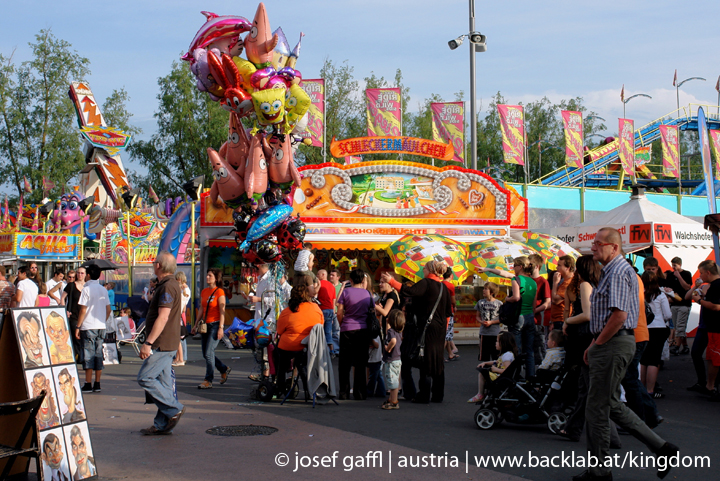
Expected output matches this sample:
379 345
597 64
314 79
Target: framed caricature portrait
54 455
82 461
38 380
29 328
70 401
57 335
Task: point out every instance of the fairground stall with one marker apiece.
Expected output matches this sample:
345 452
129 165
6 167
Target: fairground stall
354 212
49 251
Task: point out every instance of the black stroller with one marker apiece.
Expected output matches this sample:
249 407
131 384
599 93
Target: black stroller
519 401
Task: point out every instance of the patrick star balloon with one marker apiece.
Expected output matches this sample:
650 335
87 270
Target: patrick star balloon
260 42
237 148
256 172
228 184
281 166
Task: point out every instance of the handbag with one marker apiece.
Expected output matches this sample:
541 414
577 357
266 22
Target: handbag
202 325
649 314
417 355
510 311
373 323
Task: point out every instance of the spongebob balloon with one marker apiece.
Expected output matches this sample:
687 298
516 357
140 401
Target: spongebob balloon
269 107
297 103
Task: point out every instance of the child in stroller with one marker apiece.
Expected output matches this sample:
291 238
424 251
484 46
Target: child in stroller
531 401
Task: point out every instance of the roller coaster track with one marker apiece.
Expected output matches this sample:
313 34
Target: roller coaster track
685 118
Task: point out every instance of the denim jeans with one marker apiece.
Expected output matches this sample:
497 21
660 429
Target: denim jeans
155 377
376 383
209 343
525 339
92 343
329 327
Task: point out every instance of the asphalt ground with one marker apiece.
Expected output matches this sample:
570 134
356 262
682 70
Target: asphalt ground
353 428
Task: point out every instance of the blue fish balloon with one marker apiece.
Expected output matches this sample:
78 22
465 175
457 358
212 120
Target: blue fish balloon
268 221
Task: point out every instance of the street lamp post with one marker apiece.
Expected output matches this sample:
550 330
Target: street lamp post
477 44
632 97
677 90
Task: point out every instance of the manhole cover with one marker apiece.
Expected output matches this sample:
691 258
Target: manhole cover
241 430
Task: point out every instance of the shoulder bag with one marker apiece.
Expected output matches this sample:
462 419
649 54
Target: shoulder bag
510 311
417 355
202 326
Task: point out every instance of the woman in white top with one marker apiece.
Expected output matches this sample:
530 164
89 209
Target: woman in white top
182 350
658 330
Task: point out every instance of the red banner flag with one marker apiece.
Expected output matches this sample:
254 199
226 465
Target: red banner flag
675 78
572 123
670 150
27 187
48 184
315 88
512 124
626 149
715 142
448 126
384 112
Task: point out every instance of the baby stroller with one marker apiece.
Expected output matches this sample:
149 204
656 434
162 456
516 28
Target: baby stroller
533 401
138 310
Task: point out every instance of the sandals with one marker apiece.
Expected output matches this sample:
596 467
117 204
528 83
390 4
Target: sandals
454 358
255 377
387 405
476 398
657 395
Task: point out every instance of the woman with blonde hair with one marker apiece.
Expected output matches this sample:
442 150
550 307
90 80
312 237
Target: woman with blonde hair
430 310
185 290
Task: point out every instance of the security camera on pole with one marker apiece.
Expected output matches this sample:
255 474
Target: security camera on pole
478 44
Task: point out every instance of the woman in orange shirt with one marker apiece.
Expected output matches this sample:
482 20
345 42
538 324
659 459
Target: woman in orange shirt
212 311
294 325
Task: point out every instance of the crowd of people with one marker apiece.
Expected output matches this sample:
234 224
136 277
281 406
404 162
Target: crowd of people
608 327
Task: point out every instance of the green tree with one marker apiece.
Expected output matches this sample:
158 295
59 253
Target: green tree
115 112
188 123
38 134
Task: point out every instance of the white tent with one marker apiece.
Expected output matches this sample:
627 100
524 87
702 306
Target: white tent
646 225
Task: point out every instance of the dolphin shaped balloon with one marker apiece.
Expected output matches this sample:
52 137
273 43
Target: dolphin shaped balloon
267 222
219 31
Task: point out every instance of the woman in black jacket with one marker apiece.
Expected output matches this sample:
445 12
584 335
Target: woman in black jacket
425 294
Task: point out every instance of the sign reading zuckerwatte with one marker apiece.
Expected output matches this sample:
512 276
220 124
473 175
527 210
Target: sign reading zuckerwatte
50 246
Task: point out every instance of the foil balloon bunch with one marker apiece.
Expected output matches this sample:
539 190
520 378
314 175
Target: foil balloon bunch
250 71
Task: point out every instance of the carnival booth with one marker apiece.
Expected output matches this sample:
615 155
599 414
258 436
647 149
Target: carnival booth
48 250
353 213
648 229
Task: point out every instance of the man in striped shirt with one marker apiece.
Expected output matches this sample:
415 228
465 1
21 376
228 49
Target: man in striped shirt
613 317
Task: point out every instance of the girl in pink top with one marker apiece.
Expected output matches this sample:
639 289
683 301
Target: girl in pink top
43 300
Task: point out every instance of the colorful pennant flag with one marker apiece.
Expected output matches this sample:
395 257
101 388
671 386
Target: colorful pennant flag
48 184
706 159
315 88
572 123
353 159
384 112
153 195
448 126
717 84
626 148
27 187
670 150
6 215
512 124
675 79
715 142
622 94
18 221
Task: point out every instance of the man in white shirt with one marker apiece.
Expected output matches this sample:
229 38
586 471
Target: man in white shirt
94 311
58 278
27 290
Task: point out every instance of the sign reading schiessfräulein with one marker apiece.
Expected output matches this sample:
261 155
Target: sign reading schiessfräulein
391 145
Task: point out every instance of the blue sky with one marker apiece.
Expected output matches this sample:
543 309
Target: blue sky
558 49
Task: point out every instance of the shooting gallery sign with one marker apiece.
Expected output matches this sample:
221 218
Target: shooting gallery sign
391 145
